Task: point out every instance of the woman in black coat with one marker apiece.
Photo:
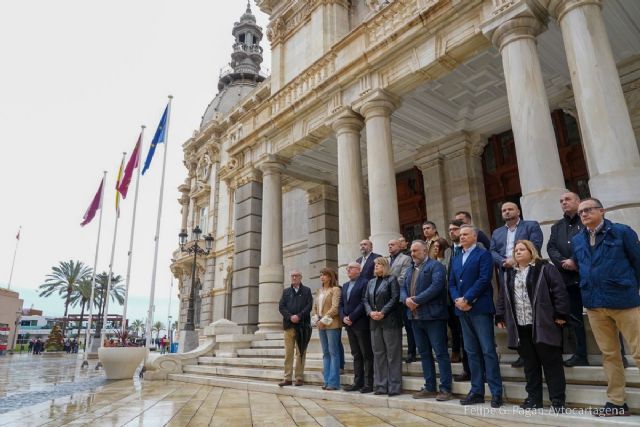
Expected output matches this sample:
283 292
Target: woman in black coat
533 305
382 305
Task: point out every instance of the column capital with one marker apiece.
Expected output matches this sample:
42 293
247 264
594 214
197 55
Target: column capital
521 27
559 8
271 164
322 192
347 121
377 103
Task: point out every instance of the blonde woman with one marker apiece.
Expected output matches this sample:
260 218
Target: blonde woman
533 305
325 315
381 303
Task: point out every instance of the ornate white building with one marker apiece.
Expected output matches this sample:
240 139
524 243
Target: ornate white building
380 114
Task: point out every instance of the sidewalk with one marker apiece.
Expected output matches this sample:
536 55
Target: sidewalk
53 391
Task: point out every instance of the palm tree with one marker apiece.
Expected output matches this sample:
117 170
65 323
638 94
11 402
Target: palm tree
117 294
157 327
81 295
136 326
62 279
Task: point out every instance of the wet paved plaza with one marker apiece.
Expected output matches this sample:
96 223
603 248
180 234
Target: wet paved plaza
53 391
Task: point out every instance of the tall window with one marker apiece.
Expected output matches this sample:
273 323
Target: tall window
203 221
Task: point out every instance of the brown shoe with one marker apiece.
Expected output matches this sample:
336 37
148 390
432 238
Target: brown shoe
443 396
424 394
299 383
284 383
455 357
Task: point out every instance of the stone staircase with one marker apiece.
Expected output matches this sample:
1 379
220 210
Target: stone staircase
260 368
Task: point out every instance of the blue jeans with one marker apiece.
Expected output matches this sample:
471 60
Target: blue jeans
431 336
330 341
480 345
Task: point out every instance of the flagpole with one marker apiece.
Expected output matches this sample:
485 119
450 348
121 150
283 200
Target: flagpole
133 227
157 236
13 263
113 251
88 334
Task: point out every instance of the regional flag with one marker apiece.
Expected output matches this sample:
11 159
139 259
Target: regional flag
18 235
133 163
159 137
96 204
118 180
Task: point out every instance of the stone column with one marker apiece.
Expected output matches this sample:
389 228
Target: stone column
464 178
539 165
383 197
351 215
184 203
246 259
323 230
431 164
607 135
271 276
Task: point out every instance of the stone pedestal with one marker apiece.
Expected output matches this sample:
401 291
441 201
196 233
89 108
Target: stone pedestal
539 167
246 260
350 188
607 135
323 229
271 273
188 340
383 197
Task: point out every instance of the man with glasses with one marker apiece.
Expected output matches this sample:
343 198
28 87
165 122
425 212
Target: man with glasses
295 307
608 258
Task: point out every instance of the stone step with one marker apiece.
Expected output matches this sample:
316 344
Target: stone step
593 375
506 414
578 395
261 352
268 344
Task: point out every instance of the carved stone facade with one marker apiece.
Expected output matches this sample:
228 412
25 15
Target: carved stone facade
362 90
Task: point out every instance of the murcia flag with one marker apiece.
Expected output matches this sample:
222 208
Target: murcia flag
133 162
96 204
119 179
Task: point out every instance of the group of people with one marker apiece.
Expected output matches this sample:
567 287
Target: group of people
36 346
70 345
440 283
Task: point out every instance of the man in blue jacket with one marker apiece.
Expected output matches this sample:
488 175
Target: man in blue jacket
357 325
608 258
424 292
471 291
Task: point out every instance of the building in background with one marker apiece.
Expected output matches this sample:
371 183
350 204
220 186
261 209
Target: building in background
10 312
379 115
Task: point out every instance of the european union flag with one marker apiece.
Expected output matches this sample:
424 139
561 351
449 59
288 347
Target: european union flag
158 138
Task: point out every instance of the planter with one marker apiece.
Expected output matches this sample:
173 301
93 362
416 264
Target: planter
121 362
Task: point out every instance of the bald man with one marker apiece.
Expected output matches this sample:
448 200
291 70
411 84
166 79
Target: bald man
504 239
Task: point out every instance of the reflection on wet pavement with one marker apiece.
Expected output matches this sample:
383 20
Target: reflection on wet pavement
84 398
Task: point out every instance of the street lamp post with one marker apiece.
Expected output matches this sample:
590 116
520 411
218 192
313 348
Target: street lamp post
189 336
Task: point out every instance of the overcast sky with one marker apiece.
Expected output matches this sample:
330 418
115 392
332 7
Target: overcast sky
77 80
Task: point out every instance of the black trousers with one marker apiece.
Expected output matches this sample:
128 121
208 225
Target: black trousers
536 357
457 341
411 341
360 343
575 304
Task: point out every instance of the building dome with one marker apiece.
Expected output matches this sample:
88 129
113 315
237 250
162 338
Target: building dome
243 73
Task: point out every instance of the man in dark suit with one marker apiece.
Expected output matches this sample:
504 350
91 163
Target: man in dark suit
504 239
367 258
357 325
424 293
561 253
472 293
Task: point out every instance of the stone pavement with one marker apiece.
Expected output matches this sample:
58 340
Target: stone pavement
53 391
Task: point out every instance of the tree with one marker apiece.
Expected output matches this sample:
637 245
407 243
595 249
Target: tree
62 280
55 342
136 326
117 294
157 327
81 295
